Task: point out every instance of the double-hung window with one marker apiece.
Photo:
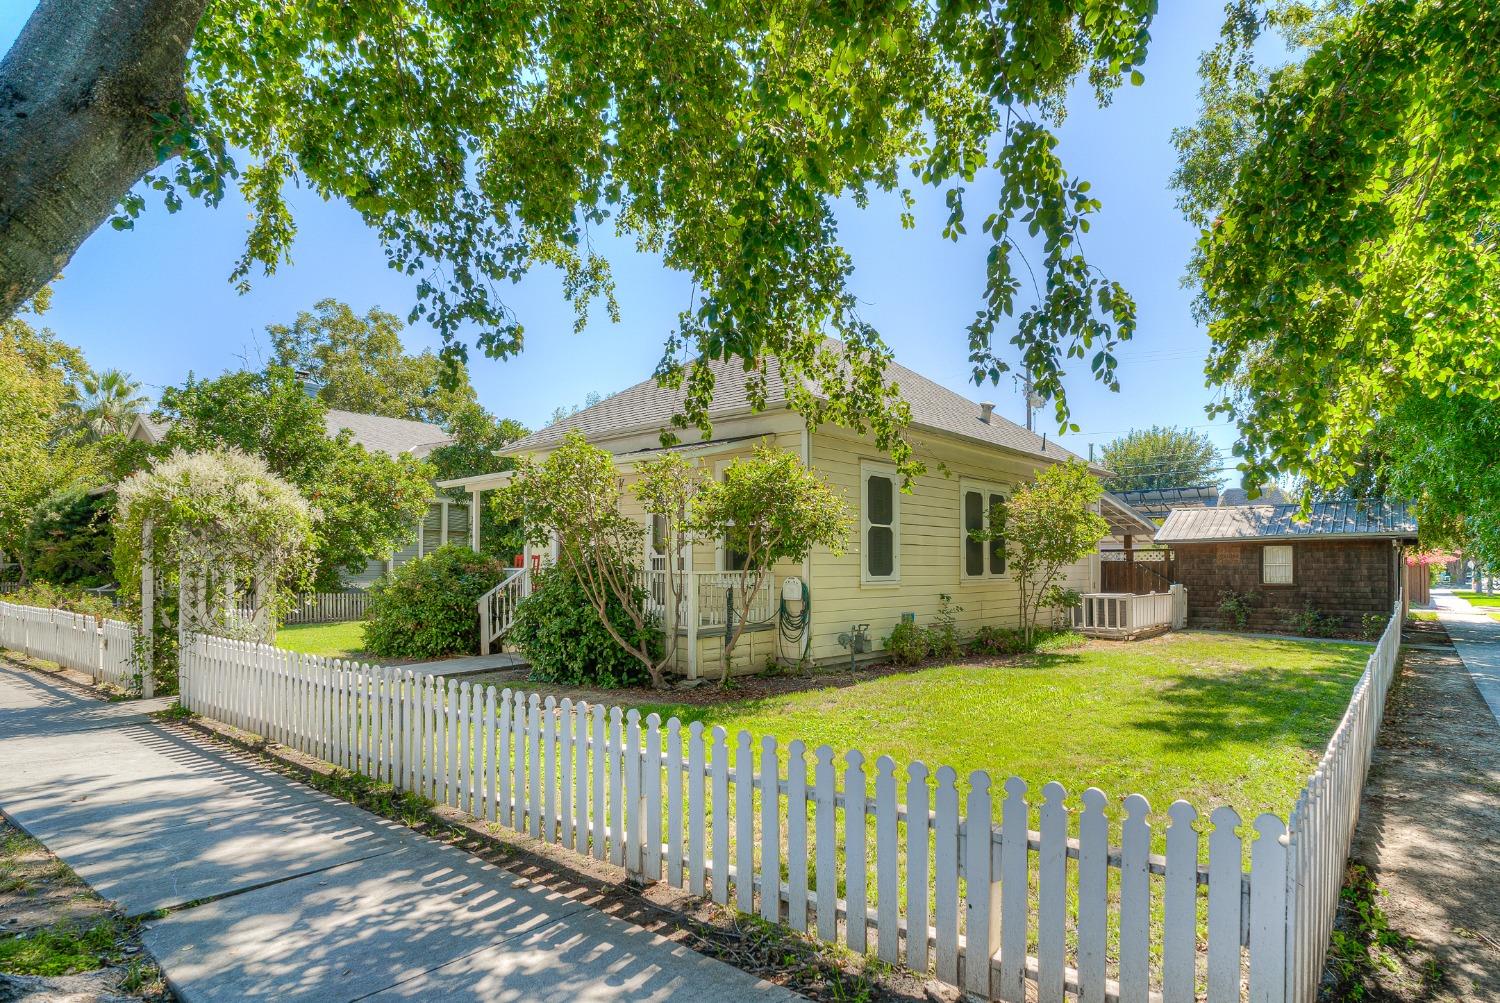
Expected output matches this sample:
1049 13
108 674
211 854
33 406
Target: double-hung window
880 523
1276 565
983 556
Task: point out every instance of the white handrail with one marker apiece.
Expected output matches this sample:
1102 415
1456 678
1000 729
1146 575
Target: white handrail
497 607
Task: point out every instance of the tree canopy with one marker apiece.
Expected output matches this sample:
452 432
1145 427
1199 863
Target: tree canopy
481 141
358 363
1346 267
1161 457
42 450
367 503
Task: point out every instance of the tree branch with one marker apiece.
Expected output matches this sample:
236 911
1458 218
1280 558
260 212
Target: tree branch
78 90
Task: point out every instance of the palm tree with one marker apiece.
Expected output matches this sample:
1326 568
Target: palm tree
108 402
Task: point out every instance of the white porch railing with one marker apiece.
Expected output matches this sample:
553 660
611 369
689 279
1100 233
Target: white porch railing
497 607
1124 615
721 597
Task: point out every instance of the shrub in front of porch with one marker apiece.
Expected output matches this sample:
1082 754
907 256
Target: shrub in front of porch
558 630
429 607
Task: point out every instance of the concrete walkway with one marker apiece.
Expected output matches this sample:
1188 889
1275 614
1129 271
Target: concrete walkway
1429 833
275 891
1476 637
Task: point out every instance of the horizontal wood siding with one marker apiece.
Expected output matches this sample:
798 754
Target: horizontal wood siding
930 543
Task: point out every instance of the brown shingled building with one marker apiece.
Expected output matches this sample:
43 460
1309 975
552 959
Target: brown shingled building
1344 560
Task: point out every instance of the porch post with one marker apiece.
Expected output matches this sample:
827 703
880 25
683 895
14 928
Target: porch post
474 500
691 627
1130 562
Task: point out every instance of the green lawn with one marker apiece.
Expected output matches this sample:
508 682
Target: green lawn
336 640
1478 598
1425 615
1213 718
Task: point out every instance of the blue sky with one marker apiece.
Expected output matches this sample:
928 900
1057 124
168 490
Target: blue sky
156 302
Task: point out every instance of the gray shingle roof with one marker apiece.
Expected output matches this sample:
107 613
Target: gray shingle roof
1377 519
393 436
647 407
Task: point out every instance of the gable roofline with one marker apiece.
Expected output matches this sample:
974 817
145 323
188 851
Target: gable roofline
648 407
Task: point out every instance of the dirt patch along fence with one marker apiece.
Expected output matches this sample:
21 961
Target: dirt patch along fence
102 648
901 863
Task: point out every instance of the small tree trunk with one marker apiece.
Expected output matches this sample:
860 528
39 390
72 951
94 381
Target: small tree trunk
77 92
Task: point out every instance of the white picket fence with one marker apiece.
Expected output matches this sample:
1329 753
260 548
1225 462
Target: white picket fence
688 806
1321 828
329 607
102 648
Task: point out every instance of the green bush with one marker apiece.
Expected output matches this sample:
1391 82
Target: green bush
908 644
1312 622
942 636
1234 607
428 607
71 539
559 632
74 599
1000 641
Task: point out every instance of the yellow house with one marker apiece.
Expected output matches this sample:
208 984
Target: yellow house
909 549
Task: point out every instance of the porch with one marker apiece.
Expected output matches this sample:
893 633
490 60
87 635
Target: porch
1126 616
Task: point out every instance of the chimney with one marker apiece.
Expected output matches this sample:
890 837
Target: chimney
986 408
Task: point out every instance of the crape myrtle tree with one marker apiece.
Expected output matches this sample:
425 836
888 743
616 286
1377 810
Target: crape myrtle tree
573 496
1347 263
769 508
1048 524
478 141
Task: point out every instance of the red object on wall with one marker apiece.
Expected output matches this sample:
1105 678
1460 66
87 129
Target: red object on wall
520 561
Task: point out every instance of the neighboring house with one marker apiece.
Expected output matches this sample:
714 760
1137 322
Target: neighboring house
1345 560
907 549
446 520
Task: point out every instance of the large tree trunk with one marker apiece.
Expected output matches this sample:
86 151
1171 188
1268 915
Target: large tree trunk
77 91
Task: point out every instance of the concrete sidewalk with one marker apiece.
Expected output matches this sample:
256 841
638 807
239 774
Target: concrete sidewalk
1476 637
278 892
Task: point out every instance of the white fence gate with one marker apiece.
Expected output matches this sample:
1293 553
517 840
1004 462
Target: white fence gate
105 649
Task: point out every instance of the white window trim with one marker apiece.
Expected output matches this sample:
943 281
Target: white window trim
866 468
719 568
985 488
1291 563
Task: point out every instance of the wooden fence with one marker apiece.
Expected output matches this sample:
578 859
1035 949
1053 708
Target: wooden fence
105 649
933 874
1321 828
329 607
1138 576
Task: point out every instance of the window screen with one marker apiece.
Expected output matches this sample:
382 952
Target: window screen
973 522
997 545
1276 565
880 528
